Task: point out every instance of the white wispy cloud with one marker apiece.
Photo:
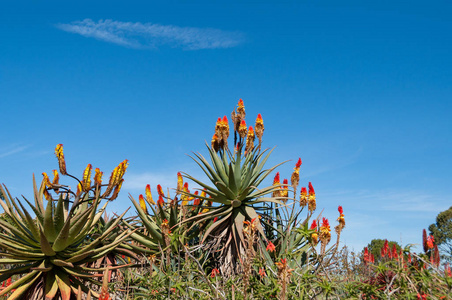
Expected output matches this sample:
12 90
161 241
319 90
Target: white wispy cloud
149 35
11 150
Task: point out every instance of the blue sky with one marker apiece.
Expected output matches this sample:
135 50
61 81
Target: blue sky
361 92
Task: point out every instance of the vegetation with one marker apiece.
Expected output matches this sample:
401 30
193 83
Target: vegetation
231 238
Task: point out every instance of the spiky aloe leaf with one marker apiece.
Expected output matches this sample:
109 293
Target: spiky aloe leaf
51 287
24 281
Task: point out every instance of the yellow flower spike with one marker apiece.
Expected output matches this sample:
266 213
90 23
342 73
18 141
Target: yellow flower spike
56 177
47 195
294 180
242 129
79 189
249 140
312 201
87 177
259 127
46 180
303 196
241 109
215 143
143 204
116 190
61 162
180 183
98 176
185 197
149 195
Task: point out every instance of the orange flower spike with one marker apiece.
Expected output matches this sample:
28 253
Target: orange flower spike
149 195
262 272
270 247
98 176
143 204
87 177
60 156
242 129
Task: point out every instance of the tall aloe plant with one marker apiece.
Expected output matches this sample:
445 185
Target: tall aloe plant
235 180
50 252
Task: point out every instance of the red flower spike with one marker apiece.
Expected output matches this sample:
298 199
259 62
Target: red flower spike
215 219
304 190
298 163
270 247
424 240
285 181
259 117
394 251
160 190
160 202
430 241
276 180
311 189
262 272
340 210
325 222
386 247
225 120
314 224
214 273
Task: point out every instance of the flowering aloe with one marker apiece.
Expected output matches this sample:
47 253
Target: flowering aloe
235 180
51 251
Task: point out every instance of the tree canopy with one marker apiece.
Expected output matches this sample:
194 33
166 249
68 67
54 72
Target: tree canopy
442 232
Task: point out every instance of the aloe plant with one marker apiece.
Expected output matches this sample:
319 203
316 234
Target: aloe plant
50 252
235 180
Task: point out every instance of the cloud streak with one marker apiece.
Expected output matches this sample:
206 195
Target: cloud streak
12 150
150 36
